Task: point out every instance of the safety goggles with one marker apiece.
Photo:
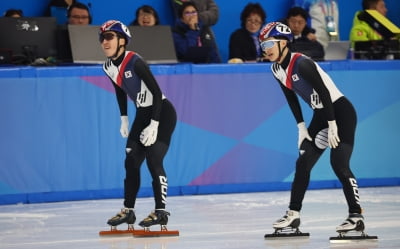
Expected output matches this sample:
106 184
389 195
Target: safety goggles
106 36
268 44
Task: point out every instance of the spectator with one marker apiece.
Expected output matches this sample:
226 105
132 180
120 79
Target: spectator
193 42
79 14
368 40
13 13
243 43
297 21
208 13
361 30
146 16
324 15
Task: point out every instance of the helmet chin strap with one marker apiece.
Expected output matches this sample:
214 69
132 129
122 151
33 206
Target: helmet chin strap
280 51
116 52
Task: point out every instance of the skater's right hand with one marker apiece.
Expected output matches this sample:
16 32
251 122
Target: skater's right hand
303 134
124 126
333 137
149 134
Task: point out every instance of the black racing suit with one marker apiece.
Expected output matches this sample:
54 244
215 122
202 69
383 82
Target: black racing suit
299 75
132 77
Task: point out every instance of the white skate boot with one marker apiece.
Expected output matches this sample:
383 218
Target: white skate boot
287 226
290 219
354 222
352 229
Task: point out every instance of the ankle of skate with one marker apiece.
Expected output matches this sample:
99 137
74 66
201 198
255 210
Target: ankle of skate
159 217
290 220
354 222
126 215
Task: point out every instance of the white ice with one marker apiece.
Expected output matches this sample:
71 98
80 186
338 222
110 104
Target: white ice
226 221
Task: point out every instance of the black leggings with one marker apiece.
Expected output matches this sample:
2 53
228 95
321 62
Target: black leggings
346 120
136 153
154 155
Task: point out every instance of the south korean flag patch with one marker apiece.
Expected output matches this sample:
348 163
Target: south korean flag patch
295 77
128 74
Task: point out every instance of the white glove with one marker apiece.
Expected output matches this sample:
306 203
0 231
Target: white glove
149 134
124 126
303 133
333 137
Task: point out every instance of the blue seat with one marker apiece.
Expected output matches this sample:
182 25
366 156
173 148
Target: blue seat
60 13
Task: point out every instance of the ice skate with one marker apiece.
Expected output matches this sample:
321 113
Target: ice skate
354 222
290 219
287 226
158 217
125 216
352 229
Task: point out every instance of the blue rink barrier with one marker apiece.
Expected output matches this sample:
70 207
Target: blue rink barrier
235 133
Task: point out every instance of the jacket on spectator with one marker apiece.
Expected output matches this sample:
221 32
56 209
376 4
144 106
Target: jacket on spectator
318 11
186 38
208 14
241 45
312 49
362 31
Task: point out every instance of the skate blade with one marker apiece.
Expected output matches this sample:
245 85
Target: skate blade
147 233
276 235
352 238
116 232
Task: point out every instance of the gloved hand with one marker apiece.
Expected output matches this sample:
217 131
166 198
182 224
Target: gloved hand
303 133
149 134
124 130
333 137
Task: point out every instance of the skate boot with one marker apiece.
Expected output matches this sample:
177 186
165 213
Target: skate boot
287 226
354 222
290 220
126 215
159 217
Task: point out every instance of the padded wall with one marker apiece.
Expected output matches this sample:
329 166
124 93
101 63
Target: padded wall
60 131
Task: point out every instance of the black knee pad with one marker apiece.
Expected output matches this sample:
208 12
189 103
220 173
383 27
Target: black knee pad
132 148
308 155
135 156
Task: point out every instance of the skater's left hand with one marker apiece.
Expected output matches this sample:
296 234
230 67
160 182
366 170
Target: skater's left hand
333 137
149 134
303 134
124 130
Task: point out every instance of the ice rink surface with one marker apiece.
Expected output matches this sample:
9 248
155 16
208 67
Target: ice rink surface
227 221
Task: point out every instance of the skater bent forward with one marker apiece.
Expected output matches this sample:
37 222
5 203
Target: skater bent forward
333 123
152 128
